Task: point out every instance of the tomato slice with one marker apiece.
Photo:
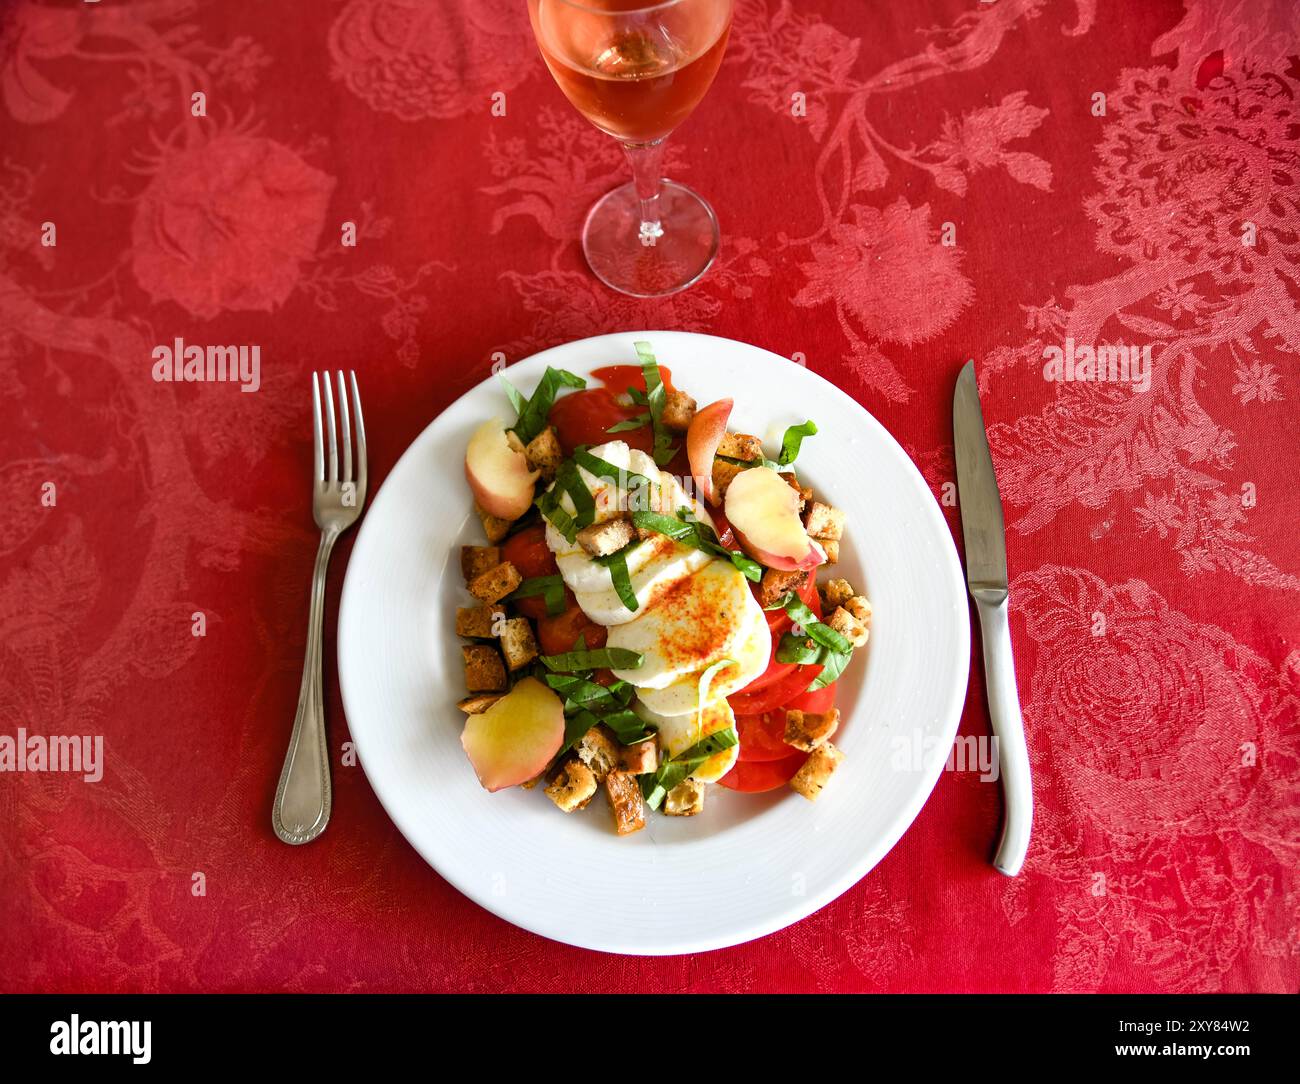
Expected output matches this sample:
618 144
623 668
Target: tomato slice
815 700
756 776
527 551
761 736
556 635
776 695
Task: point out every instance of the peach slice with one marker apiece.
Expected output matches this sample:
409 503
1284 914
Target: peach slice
498 472
516 737
764 510
702 440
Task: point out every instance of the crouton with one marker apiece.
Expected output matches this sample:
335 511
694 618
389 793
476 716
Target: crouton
832 550
598 750
805 494
495 529
817 771
740 446
475 560
686 799
679 409
776 583
835 593
639 758
602 539
824 521
849 626
478 622
573 787
859 607
479 703
518 644
624 794
723 474
544 453
494 584
807 730
484 671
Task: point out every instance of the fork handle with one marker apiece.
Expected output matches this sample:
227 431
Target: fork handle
303 798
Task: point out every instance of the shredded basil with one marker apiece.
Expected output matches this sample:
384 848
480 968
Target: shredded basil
638 422
600 468
534 413
512 393
582 693
655 787
620 577
793 441
656 397
568 479
833 664
834 650
605 658
548 504
689 531
823 634
799 649
550 588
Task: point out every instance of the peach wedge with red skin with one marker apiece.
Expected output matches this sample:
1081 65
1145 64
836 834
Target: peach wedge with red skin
498 473
764 511
702 440
514 740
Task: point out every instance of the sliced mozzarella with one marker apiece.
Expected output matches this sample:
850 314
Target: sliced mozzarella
677 733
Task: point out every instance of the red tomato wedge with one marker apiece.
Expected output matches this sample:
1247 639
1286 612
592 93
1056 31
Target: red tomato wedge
815 701
761 736
756 776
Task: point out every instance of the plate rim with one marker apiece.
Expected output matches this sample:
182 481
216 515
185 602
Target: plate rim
807 905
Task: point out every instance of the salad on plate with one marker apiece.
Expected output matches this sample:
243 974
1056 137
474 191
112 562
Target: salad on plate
646 614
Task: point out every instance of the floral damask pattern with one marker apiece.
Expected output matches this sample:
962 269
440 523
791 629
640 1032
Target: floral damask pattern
398 187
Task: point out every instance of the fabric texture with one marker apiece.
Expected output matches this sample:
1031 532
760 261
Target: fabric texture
901 187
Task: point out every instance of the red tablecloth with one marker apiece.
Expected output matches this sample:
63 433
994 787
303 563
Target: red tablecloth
901 187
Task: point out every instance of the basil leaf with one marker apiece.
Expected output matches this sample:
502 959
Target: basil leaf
575 728
605 658
800 649
624 479
584 694
662 524
692 532
833 664
639 422
548 504
512 393
533 415
655 788
823 634
628 726
656 397
551 588
793 441
619 576
568 479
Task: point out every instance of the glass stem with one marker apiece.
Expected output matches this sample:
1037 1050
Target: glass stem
646 160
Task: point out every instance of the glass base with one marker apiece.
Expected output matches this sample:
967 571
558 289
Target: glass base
611 241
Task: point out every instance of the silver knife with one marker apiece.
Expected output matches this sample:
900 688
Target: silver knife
986 578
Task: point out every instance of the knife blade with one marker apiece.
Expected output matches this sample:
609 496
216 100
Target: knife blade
984 534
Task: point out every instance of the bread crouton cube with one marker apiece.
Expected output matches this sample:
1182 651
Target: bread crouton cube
836 593
824 521
686 799
544 453
723 473
776 583
602 539
679 409
598 750
484 670
479 622
817 770
495 529
831 548
639 758
740 446
849 627
805 494
494 584
624 794
518 644
860 607
478 703
573 787
806 730
475 560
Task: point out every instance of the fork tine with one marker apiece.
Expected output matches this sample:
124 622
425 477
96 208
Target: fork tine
361 436
329 419
345 430
319 462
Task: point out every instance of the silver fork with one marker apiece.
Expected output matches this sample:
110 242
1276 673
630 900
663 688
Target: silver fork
302 800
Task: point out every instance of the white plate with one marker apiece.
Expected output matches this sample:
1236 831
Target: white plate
749 864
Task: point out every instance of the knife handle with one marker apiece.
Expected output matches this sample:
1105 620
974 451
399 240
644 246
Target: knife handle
1008 727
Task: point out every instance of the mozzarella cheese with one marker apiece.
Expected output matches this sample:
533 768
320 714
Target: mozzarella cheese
677 733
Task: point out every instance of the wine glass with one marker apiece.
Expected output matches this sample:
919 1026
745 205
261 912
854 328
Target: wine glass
636 70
